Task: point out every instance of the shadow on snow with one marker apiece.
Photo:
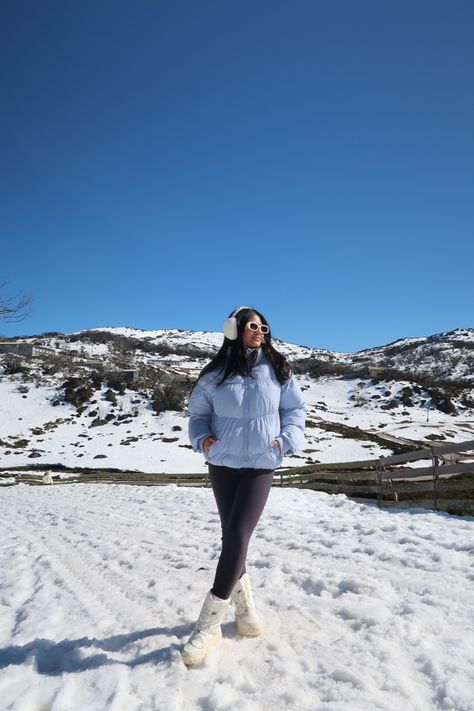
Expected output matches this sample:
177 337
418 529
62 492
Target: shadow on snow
66 656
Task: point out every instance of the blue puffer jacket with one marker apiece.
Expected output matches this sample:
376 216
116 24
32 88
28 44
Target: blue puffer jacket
246 414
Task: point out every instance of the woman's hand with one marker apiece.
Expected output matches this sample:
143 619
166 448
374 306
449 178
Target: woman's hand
206 445
276 443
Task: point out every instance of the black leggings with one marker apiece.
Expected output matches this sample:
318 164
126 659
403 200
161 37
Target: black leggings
241 495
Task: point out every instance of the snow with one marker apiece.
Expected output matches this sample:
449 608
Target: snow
139 443
71 440
364 609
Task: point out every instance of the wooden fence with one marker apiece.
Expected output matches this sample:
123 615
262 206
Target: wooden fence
446 484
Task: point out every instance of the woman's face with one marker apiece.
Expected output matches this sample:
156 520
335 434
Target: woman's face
253 339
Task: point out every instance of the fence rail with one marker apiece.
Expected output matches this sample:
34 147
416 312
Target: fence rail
381 481
443 487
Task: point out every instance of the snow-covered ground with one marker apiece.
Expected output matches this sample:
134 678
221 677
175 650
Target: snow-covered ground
364 609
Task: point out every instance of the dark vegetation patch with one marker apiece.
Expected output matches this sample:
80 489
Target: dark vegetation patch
131 345
316 367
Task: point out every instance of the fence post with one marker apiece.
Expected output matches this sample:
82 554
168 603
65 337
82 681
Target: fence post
435 465
379 466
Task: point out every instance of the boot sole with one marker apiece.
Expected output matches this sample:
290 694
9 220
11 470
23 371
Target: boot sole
248 631
194 661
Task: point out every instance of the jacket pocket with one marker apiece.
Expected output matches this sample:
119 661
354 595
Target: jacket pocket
274 456
211 451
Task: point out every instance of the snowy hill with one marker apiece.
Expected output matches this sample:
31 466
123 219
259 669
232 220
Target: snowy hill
448 356
116 397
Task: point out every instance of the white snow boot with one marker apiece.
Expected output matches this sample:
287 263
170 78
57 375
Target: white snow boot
207 631
246 618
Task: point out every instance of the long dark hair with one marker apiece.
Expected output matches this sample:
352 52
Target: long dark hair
232 356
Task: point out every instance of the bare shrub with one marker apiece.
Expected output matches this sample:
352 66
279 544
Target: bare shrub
168 391
53 363
14 364
78 391
169 396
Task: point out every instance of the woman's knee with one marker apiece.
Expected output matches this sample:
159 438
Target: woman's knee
234 539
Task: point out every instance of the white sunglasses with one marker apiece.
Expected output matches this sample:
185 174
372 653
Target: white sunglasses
254 326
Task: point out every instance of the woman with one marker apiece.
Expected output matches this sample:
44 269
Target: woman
246 412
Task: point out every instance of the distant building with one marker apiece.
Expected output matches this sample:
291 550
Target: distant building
94 364
127 375
24 348
18 347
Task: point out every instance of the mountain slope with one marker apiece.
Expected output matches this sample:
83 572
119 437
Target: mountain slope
74 400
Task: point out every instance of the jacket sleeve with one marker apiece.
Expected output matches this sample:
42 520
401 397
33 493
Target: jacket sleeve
200 416
292 417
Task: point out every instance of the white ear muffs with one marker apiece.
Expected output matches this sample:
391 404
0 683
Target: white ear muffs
230 324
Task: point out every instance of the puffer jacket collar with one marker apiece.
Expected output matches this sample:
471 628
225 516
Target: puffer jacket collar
254 355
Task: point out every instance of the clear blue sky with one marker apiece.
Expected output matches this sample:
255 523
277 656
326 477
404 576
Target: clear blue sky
165 161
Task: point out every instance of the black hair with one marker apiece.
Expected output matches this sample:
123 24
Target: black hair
232 355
